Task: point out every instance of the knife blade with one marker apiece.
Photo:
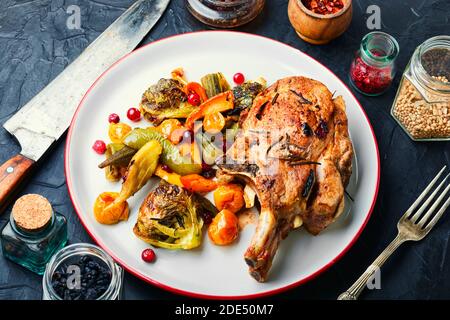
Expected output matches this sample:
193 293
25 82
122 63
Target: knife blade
46 117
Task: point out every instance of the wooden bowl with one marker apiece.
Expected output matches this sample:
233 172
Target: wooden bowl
318 28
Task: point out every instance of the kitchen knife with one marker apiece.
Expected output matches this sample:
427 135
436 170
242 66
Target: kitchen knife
43 120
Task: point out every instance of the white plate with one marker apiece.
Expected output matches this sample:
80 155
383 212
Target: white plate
211 271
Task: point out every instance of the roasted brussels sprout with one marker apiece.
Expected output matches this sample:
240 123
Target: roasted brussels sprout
244 96
164 100
169 218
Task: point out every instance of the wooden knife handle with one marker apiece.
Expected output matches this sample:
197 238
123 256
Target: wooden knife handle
12 173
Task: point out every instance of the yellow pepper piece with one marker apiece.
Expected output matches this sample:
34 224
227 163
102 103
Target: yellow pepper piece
170 177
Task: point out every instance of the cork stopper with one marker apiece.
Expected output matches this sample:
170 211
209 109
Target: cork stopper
32 212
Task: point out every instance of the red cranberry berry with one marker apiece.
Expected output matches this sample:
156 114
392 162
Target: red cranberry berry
133 114
99 146
148 255
166 168
206 217
188 136
113 118
208 171
194 99
238 78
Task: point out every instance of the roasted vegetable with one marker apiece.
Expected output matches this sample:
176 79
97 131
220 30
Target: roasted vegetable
117 131
195 87
168 218
224 228
119 213
170 177
169 127
204 205
114 172
120 155
165 100
219 103
229 196
214 83
197 183
190 150
213 122
244 96
178 74
210 152
170 154
140 170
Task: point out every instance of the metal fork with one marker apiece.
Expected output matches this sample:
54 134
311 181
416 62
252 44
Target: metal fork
412 226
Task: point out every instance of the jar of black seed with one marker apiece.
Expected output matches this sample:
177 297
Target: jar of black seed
82 271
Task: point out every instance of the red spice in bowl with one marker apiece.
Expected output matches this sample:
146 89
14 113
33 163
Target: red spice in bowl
323 6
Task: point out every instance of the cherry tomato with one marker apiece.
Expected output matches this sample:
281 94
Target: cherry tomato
134 114
213 122
168 126
113 215
207 217
224 228
194 99
148 255
238 78
229 196
117 131
113 118
99 146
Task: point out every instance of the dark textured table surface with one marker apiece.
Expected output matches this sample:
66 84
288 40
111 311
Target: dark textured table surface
35 45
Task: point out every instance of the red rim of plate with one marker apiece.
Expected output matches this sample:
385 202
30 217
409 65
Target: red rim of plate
200 295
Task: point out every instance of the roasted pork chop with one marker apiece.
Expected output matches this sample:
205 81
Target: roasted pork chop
294 150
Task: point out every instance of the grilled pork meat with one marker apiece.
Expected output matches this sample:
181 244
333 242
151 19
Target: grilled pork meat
294 150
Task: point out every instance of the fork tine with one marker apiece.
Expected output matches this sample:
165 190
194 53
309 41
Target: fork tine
419 212
423 194
438 215
427 216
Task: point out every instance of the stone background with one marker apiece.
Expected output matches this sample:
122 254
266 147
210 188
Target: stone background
35 45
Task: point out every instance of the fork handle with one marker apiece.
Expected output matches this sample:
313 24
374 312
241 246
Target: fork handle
355 290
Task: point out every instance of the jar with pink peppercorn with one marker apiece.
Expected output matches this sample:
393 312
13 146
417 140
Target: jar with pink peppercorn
373 68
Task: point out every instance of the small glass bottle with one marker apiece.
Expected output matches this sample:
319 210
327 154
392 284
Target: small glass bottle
70 256
373 68
422 103
225 13
34 233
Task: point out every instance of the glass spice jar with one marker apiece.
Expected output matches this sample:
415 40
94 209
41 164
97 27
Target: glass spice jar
422 103
34 233
225 13
373 68
82 271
